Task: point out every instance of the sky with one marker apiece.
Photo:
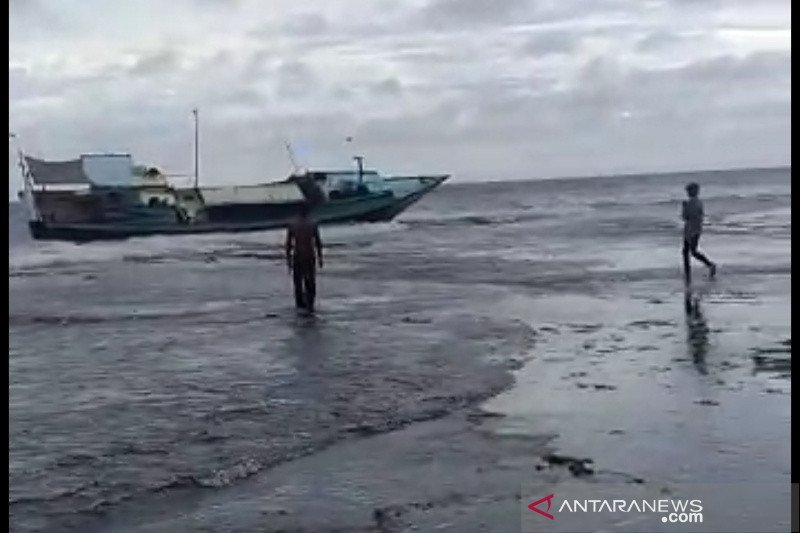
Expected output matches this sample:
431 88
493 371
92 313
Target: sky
480 89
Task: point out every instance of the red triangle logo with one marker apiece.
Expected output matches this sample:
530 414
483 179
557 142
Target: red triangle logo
547 499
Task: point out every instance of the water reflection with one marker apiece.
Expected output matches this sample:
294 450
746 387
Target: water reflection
697 331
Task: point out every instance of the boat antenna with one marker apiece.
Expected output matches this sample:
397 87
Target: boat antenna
291 157
196 148
359 159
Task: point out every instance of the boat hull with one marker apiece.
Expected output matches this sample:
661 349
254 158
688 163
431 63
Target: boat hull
371 208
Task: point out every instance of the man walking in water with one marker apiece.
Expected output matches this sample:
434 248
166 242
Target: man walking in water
692 214
302 241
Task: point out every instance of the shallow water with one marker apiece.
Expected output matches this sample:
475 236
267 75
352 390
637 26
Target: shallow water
163 366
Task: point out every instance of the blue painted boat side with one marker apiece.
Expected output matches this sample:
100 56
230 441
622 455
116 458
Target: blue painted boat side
375 207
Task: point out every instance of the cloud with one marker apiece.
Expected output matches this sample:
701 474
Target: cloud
159 62
509 89
388 87
460 13
733 72
551 42
658 40
219 4
295 79
306 24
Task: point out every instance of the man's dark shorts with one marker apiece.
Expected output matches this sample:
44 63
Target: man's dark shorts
690 243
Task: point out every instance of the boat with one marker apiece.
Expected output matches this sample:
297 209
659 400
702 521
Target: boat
109 197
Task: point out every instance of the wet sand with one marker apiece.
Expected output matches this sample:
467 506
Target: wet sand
627 378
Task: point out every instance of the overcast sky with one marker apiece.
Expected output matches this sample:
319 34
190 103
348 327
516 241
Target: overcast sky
482 89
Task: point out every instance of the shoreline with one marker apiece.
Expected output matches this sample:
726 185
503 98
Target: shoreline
464 471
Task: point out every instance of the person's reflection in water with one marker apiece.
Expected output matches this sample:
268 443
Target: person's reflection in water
697 332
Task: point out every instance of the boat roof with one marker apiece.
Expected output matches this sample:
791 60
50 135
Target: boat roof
57 172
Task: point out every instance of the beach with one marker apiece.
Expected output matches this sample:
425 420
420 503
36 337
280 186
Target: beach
166 384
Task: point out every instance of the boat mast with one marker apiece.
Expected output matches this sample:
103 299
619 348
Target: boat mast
291 157
196 148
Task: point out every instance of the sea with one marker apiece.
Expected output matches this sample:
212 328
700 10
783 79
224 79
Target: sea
147 371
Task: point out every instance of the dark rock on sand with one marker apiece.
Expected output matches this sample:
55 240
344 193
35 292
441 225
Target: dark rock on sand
416 320
771 364
577 467
647 324
707 402
478 416
584 328
596 386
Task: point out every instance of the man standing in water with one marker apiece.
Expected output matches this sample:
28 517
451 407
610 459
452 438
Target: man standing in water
692 214
303 250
